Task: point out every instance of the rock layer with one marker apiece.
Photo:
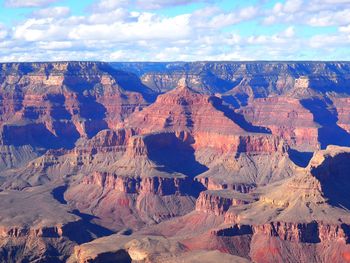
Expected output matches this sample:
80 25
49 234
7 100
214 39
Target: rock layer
205 160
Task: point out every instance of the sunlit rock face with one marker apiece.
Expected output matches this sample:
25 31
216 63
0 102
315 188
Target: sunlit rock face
174 162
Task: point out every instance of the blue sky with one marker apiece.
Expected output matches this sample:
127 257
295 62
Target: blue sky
174 30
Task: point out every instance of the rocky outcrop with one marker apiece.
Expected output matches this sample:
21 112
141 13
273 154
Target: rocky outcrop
17 232
35 227
248 143
23 243
255 79
61 102
83 153
286 118
219 202
302 214
106 141
149 249
138 185
212 184
342 107
183 109
313 232
248 162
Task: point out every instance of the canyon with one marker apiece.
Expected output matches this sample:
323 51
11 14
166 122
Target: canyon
174 162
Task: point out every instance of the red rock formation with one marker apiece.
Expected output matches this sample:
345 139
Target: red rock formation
219 202
128 165
312 232
183 109
285 117
67 100
106 141
248 143
154 185
343 110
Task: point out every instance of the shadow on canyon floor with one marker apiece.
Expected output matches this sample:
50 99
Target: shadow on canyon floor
174 154
83 230
301 159
237 118
329 132
333 175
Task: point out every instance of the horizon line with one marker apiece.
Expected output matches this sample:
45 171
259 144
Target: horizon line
175 61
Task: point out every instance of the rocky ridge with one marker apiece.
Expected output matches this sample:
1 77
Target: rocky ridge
183 160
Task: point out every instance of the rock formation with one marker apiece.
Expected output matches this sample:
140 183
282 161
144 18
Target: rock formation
174 162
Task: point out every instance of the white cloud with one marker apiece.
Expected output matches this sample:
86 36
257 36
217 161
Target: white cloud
234 17
116 26
55 45
345 29
114 31
108 5
292 6
147 27
329 18
212 17
56 12
158 4
332 2
119 14
40 30
3 32
289 32
117 55
28 3
318 13
329 42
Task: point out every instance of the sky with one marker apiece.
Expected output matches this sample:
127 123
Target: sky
174 30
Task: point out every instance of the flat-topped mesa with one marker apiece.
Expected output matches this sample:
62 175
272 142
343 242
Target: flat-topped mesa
57 74
183 109
251 79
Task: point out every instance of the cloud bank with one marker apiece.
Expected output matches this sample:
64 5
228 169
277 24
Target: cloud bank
129 30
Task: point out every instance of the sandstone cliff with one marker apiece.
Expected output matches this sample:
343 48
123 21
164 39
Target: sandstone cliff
183 160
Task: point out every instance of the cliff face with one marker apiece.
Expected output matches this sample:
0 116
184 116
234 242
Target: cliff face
218 202
60 102
299 219
303 102
286 118
150 185
183 109
36 227
208 155
260 79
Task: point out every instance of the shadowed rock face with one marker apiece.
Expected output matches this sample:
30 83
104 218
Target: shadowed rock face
174 162
332 172
269 94
51 105
259 78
